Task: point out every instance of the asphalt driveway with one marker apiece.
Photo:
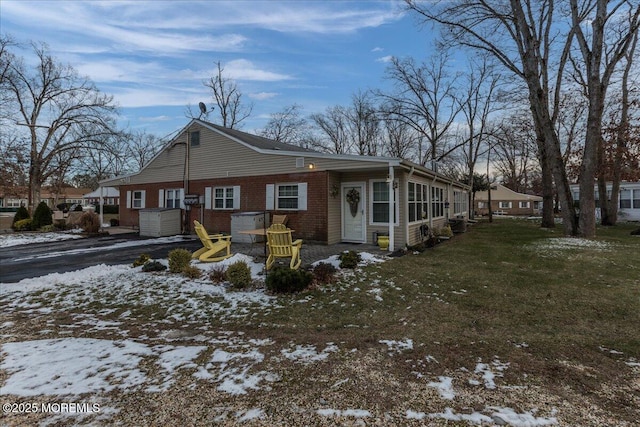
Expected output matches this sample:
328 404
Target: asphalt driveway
38 259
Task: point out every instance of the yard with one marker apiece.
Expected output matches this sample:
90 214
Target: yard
507 324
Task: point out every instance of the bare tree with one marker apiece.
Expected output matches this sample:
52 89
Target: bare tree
617 22
477 104
334 129
228 98
63 113
425 99
364 124
288 126
399 139
523 36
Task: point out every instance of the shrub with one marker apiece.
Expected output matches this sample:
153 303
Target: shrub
238 274
78 208
349 259
21 213
153 266
324 273
48 228
179 259
22 225
285 280
108 209
89 222
41 216
446 231
114 222
141 260
217 275
192 272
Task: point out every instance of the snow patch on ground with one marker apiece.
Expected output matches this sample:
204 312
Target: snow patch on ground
15 239
558 246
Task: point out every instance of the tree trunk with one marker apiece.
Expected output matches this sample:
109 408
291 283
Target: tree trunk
548 218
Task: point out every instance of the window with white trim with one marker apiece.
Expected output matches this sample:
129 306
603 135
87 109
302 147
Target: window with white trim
625 199
418 201
287 196
173 198
524 205
136 199
379 202
437 202
636 199
505 205
223 198
482 205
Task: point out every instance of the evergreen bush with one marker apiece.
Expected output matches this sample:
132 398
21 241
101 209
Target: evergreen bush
21 213
42 216
285 280
192 272
179 259
238 275
349 259
22 225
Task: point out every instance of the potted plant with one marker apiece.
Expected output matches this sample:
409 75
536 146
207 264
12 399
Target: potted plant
383 240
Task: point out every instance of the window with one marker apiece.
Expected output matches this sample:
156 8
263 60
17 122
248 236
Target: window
173 198
194 137
524 205
437 202
636 199
482 205
289 196
222 197
136 199
459 202
418 201
625 199
505 205
380 203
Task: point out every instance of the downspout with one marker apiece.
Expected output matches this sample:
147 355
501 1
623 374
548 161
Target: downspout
391 209
433 182
406 222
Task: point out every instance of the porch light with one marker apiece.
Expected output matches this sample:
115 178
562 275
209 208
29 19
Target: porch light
311 166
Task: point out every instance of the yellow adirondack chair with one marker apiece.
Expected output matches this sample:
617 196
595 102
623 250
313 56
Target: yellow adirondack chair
212 244
279 219
280 245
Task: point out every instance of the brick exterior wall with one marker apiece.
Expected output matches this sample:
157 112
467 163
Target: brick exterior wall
309 225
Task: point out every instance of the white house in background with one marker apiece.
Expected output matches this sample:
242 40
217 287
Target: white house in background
629 200
110 196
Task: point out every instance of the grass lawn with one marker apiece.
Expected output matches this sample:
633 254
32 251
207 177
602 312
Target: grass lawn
505 324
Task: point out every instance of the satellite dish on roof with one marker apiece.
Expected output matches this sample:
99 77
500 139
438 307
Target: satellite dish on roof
203 109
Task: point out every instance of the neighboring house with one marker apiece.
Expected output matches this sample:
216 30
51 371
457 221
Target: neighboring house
629 199
16 197
327 198
505 201
110 196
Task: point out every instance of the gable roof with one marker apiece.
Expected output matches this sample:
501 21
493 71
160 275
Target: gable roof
255 140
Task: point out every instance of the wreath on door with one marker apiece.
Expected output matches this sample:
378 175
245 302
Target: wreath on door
353 198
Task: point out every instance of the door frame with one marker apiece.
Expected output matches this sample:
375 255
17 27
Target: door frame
344 207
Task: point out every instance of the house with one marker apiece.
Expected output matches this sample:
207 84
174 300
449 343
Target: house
212 173
505 201
629 199
53 196
109 195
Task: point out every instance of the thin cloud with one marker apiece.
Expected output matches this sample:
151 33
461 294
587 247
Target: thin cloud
242 69
385 59
261 96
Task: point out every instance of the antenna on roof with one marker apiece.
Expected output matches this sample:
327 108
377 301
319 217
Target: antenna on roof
203 109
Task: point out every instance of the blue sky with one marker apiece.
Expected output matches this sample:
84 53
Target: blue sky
154 56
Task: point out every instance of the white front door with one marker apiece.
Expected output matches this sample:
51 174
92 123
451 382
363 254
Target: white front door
354 212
